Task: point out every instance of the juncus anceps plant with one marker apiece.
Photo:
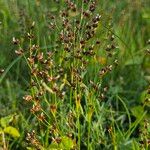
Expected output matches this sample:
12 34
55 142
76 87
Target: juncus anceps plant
68 82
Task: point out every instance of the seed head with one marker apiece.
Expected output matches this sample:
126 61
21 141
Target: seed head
28 98
1 71
15 41
19 52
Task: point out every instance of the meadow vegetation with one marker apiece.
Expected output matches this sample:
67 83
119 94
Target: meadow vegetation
74 75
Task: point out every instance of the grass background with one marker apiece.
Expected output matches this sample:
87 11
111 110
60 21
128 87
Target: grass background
128 20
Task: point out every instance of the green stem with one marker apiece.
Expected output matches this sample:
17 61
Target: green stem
79 132
89 125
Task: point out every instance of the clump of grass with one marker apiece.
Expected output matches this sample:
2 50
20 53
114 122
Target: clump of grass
69 90
68 86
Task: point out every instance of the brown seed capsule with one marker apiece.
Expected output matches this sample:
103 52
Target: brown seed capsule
86 14
113 46
148 91
1 71
52 17
105 89
15 41
95 25
108 48
148 42
30 36
52 26
88 26
55 88
31 60
92 7
41 117
53 108
148 51
109 67
98 17
82 42
102 71
74 9
64 14
95 86
110 129
102 96
35 108
112 37
116 62
91 48
40 56
34 71
31 137
33 25
57 140
19 52
77 22
109 54
28 98
69 135
34 47
86 1
98 42
62 94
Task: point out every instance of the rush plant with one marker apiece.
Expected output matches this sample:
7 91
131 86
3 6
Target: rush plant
69 92
68 89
